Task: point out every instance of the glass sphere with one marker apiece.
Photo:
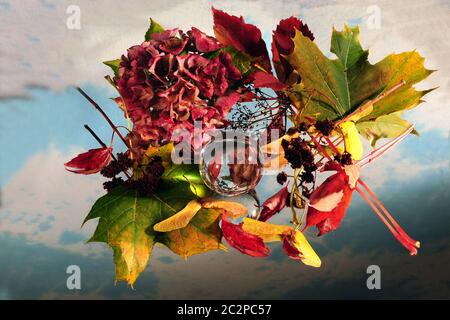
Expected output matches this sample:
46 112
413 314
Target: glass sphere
230 163
249 200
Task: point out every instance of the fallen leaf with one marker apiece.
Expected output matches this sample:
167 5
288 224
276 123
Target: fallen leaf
282 44
126 221
352 172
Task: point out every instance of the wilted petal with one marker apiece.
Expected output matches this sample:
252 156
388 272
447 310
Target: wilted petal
274 204
162 66
90 162
203 42
242 241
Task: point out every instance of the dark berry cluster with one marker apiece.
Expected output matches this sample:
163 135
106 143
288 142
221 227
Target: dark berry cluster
298 153
303 127
344 159
324 127
111 184
151 178
146 185
122 163
155 167
282 177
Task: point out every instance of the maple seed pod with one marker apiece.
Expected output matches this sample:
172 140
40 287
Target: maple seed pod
180 219
233 209
266 231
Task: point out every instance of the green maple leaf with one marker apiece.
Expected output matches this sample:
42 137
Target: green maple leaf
114 65
126 221
386 126
154 28
334 88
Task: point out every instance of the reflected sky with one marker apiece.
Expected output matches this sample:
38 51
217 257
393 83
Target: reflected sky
42 206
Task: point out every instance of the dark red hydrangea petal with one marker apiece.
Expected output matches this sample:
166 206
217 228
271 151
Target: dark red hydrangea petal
90 162
163 91
242 241
203 42
163 67
225 103
165 35
173 45
282 44
263 79
274 204
233 31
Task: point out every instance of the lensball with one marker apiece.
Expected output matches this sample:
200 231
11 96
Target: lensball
230 163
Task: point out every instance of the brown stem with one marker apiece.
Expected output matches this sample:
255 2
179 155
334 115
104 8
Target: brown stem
96 137
99 109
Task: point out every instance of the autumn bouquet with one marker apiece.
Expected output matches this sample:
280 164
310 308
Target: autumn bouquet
312 112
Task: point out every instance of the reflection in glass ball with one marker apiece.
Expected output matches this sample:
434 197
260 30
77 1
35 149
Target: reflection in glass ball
249 200
230 163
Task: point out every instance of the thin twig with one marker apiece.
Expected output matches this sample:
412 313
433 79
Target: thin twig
96 137
99 109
